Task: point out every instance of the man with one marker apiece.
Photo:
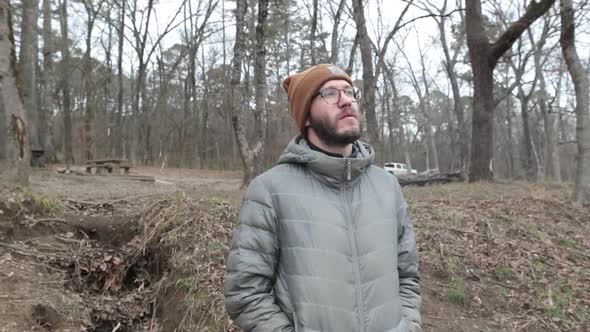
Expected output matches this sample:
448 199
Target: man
324 240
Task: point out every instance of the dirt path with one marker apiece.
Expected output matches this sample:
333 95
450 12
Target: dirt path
104 188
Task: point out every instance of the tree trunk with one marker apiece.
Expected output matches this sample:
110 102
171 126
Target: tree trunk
552 168
509 140
582 88
314 28
203 144
530 167
65 85
235 98
89 93
484 57
335 33
425 106
15 154
261 89
121 89
368 101
27 70
47 84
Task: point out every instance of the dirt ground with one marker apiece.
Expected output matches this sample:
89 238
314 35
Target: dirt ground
110 253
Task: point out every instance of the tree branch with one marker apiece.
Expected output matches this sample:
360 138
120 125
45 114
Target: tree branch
534 10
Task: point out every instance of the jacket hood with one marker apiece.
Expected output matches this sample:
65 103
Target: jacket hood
332 169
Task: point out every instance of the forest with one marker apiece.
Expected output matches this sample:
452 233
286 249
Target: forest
498 90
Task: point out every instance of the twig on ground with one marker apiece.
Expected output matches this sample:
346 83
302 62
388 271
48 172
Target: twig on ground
51 220
462 231
506 285
36 221
527 324
68 240
21 251
491 230
28 252
549 325
110 202
558 206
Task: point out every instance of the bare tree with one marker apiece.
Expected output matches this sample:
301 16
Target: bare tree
440 16
314 29
196 34
249 156
261 88
484 56
423 94
47 82
518 62
369 79
65 84
551 167
395 122
582 87
27 69
235 92
92 11
140 29
369 76
15 153
336 33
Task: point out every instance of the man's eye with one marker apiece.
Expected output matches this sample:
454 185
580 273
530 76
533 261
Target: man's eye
330 93
349 92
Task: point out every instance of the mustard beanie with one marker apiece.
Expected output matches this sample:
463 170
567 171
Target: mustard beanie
302 87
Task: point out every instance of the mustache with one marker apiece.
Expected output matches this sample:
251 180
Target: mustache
349 112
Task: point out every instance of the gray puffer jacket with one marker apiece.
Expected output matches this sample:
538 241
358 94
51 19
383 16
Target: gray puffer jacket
324 244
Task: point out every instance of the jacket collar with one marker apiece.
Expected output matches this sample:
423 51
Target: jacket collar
332 170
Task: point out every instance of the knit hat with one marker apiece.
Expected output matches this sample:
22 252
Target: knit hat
302 87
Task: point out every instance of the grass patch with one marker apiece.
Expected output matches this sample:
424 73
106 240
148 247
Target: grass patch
569 243
215 246
537 265
454 264
185 283
456 293
46 203
503 273
558 308
504 291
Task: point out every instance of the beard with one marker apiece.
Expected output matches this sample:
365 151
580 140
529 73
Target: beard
328 132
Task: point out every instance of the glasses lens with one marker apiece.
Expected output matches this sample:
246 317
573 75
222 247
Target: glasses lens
331 95
349 92
356 93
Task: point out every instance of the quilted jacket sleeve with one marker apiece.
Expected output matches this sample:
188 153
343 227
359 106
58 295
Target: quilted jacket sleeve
251 266
408 268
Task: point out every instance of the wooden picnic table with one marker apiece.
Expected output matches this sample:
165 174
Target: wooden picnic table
110 165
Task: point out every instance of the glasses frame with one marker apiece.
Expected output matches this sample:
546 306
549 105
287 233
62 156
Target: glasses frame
356 94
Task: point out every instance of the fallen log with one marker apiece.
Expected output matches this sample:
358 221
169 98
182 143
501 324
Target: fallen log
439 178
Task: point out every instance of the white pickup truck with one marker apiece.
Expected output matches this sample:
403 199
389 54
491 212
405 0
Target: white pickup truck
399 169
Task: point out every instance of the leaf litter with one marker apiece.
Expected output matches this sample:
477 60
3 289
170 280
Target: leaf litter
493 257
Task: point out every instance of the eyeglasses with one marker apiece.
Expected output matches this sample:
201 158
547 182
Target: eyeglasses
332 95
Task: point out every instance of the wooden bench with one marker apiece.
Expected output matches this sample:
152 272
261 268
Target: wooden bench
120 166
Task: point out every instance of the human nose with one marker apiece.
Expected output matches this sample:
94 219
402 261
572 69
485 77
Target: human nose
344 99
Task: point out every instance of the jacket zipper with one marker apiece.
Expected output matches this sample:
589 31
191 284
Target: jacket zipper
352 240
348 170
